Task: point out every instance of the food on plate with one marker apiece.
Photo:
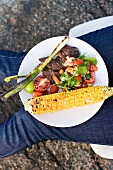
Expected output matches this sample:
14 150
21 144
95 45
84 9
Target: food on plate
64 81
66 100
70 76
21 85
69 70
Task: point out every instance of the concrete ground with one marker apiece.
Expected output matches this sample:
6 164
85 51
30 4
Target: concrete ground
23 24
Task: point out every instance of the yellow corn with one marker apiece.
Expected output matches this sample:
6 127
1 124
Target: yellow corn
66 100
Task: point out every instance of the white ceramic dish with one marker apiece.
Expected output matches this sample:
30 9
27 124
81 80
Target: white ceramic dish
70 117
104 151
91 26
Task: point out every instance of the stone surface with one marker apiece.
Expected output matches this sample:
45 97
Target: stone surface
23 24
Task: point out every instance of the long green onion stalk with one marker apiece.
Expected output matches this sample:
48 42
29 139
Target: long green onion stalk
21 85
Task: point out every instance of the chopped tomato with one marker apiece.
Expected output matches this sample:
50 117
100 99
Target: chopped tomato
90 81
37 93
54 89
71 62
93 68
78 61
92 74
79 78
41 84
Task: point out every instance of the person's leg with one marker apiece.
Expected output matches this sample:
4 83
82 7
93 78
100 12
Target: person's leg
21 130
102 41
9 63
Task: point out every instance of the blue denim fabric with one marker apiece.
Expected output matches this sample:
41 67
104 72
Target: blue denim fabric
21 130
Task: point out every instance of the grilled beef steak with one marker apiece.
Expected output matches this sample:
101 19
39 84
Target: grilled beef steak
70 51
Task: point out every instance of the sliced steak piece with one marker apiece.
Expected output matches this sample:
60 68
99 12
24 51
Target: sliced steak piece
70 51
61 57
54 64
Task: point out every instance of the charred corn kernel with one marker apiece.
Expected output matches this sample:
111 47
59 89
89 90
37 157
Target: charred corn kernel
66 100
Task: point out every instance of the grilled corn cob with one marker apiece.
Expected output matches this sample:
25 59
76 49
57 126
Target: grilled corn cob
66 100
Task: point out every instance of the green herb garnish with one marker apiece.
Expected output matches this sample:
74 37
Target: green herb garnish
91 60
82 68
68 82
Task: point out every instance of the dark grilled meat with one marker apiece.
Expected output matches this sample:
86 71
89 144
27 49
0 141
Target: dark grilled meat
47 72
61 57
70 51
55 64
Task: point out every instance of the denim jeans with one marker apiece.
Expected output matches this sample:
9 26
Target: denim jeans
21 130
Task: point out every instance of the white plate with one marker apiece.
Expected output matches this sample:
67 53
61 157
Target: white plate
70 117
91 26
104 151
